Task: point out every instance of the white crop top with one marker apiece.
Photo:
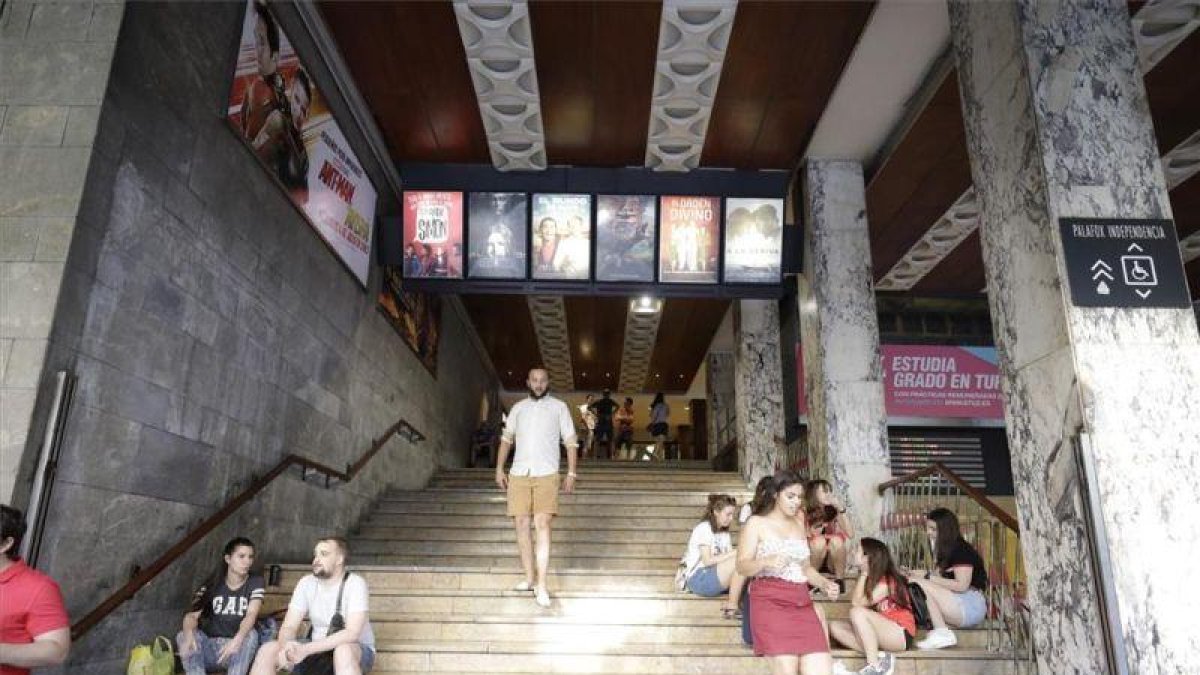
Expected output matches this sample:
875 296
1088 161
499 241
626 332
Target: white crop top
794 550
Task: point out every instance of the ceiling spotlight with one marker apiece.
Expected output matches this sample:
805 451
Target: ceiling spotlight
658 374
645 305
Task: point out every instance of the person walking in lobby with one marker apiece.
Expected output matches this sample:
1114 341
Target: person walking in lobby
535 426
660 413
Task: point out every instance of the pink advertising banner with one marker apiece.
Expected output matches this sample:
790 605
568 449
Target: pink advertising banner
932 381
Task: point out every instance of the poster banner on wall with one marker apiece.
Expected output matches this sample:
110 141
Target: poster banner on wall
562 236
276 108
417 317
625 237
497 235
688 241
932 381
753 240
433 230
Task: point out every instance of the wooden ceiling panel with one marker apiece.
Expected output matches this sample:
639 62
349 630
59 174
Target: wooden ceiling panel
1185 206
923 176
1173 89
505 326
782 64
407 59
684 334
961 273
595 63
1193 274
597 337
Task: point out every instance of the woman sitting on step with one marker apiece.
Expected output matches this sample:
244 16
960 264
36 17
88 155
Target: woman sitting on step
881 615
955 589
773 548
710 559
829 531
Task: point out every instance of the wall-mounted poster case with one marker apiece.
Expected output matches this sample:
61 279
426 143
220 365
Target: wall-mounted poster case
625 237
688 239
497 235
433 231
562 237
753 240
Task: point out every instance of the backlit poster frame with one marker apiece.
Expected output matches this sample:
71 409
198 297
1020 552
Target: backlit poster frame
512 233
432 234
275 107
559 211
673 265
645 231
734 269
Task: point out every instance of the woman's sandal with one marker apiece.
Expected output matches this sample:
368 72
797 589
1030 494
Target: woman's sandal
731 613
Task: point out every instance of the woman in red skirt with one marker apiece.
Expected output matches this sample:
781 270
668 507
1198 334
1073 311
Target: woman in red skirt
773 548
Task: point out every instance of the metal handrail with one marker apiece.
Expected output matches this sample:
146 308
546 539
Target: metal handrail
145 576
991 530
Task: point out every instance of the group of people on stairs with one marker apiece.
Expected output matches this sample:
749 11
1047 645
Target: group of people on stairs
790 531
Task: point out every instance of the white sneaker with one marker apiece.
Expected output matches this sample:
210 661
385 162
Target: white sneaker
523 586
938 638
840 668
887 664
542 598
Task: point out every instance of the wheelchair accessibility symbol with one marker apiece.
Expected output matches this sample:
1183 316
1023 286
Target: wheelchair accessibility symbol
1138 270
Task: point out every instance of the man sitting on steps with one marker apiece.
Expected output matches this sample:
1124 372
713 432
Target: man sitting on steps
335 602
536 425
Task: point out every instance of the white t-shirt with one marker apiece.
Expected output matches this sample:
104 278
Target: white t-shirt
319 602
535 427
703 535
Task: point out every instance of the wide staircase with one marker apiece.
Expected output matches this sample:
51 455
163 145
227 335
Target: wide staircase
440 564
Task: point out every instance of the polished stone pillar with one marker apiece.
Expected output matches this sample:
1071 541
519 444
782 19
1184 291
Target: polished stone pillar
1058 125
719 388
839 336
758 379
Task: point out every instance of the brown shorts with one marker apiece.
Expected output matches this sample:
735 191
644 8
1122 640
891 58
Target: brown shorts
532 494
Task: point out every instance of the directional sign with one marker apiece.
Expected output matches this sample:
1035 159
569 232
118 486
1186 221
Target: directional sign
1113 262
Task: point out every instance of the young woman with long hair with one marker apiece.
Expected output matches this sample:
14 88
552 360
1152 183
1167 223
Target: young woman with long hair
710 560
829 530
881 615
218 630
773 548
954 589
660 413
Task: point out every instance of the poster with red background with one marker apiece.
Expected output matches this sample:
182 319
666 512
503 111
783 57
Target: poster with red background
433 235
932 381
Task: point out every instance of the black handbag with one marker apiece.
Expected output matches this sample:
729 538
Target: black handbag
322 664
920 606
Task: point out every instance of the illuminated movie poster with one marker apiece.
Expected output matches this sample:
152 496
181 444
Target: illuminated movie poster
433 229
753 240
625 237
687 250
497 236
417 317
562 236
276 108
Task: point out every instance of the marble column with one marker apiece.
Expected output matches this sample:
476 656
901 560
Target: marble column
758 381
1058 125
839 337
719 389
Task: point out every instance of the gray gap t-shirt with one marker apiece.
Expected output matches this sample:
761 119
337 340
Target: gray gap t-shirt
225 608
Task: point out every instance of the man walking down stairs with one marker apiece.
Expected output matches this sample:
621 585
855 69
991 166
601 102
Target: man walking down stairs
441 566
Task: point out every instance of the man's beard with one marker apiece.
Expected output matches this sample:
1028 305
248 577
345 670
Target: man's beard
536 396
322 574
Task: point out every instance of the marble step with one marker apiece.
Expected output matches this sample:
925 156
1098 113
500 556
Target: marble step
630 606
635 657
557 559
627 549
496 518
680 631
500 578
565 508
583 495
673 468
505 534
647 482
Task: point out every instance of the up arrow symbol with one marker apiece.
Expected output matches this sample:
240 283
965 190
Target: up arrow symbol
1134 247
1100 263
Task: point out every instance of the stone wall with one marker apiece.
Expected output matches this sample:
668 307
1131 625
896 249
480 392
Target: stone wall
54 62
212 333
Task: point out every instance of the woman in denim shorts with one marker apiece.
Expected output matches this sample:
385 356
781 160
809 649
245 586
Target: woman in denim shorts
710 559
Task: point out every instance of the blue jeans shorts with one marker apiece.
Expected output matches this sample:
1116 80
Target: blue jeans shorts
973 606
705 582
